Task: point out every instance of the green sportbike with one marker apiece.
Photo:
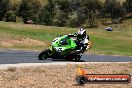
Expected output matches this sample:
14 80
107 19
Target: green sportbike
62 47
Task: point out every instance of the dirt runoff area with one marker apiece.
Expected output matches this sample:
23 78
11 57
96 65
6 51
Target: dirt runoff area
60 76
22 42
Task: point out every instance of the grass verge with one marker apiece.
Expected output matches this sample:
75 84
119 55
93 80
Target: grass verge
117 42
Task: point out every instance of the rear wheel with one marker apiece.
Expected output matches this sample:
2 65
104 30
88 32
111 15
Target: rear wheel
44 54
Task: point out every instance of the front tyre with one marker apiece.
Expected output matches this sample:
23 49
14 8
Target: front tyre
44 54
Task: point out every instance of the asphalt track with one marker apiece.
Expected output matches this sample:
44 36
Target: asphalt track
24 56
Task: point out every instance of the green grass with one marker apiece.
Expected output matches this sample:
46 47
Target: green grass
33 31
117 42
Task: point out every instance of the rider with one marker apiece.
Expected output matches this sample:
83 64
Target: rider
82 40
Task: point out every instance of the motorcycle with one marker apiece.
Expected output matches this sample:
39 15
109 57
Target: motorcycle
62 47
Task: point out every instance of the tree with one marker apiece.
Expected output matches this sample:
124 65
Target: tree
25 10
72 22
78 12
112 9
3 8
36 9
46 16
61 18
62 11
128 6
10 16
64 5
91 9
29 9
14 6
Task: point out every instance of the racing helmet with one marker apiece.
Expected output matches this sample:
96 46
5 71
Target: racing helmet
81 34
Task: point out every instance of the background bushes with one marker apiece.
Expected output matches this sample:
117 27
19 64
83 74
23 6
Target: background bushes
70 13
10 16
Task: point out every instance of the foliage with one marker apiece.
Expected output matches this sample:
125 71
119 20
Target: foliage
91 9
10 16
14 5
29 10
64 5
61 19
62 12
3 8
70 13
72 22
128 5
46 15
113 9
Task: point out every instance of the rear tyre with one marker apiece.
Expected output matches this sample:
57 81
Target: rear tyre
44 54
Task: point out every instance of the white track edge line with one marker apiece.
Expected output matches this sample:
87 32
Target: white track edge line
20 65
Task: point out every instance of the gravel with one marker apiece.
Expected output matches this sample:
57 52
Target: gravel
59 75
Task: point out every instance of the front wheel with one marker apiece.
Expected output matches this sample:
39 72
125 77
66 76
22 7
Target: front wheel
44 54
